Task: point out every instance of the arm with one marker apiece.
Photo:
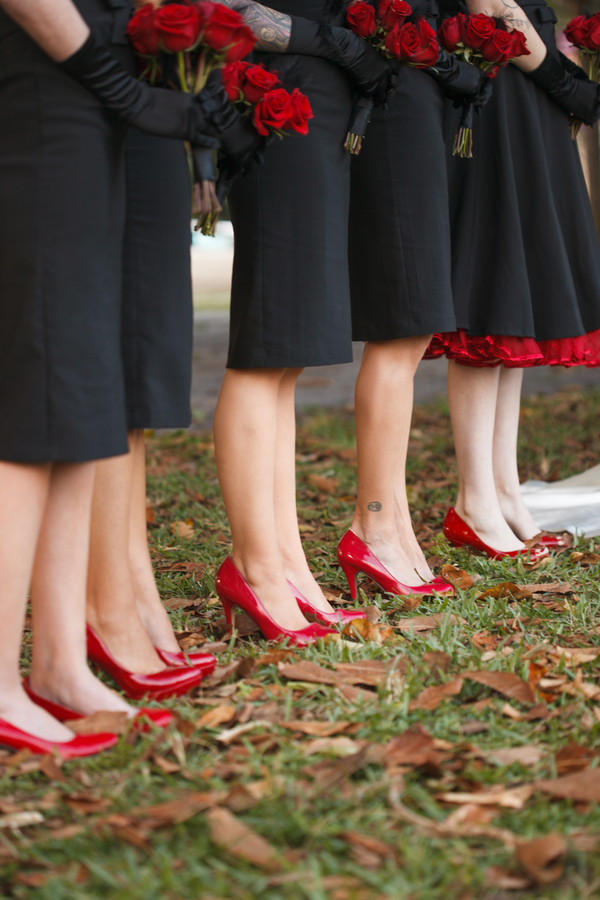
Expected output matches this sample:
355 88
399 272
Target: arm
514 17
55 25
272 28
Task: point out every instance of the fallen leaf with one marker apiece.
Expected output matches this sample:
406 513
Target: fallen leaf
506 683
505 589
183 530
414 747
134 835
101 722
21 819
320 729
483 640
573 758
543 858
51 768
470 814
220 715
308 671
573 656
426 623
582 786
274 657
437 659
584 841
432 696
86 803
550 587
337 746
458 577
30 879
196 569
368 631
367 852
526 755
372 671
511 798
66 832
373 613
165 765
178 810
357 695
232 734
238 668
232 835
501 879
585 559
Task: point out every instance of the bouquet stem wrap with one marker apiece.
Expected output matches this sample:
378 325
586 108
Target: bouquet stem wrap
359 119
463 139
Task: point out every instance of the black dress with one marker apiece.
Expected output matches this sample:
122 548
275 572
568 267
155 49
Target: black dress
399 227
62 197
290 303
525 254
157 287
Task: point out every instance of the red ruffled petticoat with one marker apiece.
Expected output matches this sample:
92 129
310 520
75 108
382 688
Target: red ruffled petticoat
515 352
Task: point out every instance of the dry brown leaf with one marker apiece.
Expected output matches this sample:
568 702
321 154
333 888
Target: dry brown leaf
368 631
308 671
373 613
31 879
189 568
426 623
66 832
178 810
505 589
526 755
368 852
584 841
372 672
583 786
501 879
432 696
336 746
183 530
232 734
573 656
50 766
274 657
550 587
236 838
511 798
101 722
506 683
458 577
322 483
573 758
220 715
483 640
470 814
21 819
320 729
165 765
238 668
357 695
86 803
437 659
240 798
585 559
414 747
543 858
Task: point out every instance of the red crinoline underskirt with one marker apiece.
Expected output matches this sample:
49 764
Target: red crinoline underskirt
515 352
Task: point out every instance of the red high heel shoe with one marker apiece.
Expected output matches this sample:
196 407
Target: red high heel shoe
551 541
159 717
81 745
233 590
172 682
339 617
462 535
354 556
205 662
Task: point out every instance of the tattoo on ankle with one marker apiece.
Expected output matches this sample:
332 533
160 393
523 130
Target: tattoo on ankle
374 506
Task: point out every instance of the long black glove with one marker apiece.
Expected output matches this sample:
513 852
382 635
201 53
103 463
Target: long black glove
236 134
576 95
370 71
460 80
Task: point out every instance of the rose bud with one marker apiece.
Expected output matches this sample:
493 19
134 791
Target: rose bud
233 78
258 81
178 27
480 29
242 44
575 30
519 45
498 48
301 112
142 31
450 33
393 12
361 19
273 111
591 37
392 39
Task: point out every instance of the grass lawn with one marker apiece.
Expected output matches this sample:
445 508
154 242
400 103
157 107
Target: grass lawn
329 773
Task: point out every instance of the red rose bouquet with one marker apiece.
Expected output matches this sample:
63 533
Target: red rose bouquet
484 42
584 33
385 28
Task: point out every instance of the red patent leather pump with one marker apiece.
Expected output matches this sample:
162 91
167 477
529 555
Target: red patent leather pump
462 535
171 682
233 590
339 617
159 717
81 745
205 662
354 556
551 541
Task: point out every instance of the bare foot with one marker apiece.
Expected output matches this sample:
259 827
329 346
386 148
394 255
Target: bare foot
303 581
18 710
518 517
491 527
274 593
127 640
82 691
399 562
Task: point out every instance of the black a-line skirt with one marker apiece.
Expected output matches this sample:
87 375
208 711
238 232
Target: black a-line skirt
399 244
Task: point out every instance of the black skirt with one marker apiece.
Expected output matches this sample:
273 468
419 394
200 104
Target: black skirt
62 196
290 301
157 287
399 225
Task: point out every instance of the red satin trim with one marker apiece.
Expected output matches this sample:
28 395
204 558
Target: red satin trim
515 352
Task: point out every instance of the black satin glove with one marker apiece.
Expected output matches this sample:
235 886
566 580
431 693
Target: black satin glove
370 71
158 111
237 136
576 94
461 81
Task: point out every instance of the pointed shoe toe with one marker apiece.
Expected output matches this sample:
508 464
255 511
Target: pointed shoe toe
460 534
205 662
80 745
338 617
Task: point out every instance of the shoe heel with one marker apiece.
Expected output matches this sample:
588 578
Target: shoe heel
456 543
350 573
228 609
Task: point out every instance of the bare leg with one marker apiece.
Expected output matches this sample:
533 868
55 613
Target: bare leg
24 491
473 395
245 433
286 517
58 594
111 608
384 400
506 472
154 616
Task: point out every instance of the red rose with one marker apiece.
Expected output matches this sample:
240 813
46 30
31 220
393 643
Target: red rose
480 29
499 48
243 42
430 49
450 32
258 81
178 26
273 112
221 25
575 30
301 112
361 19
415 44
591 37
393 12
142 31
519 45
233 78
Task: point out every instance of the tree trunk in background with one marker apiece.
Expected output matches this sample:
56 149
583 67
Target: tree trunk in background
589 151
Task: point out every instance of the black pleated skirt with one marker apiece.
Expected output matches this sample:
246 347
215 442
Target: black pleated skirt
290 302
157 287
399 244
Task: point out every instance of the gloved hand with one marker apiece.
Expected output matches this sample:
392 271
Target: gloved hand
158 111
236 134
372 74
460 80
576 95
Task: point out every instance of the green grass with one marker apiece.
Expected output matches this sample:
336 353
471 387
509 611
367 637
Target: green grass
304 820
